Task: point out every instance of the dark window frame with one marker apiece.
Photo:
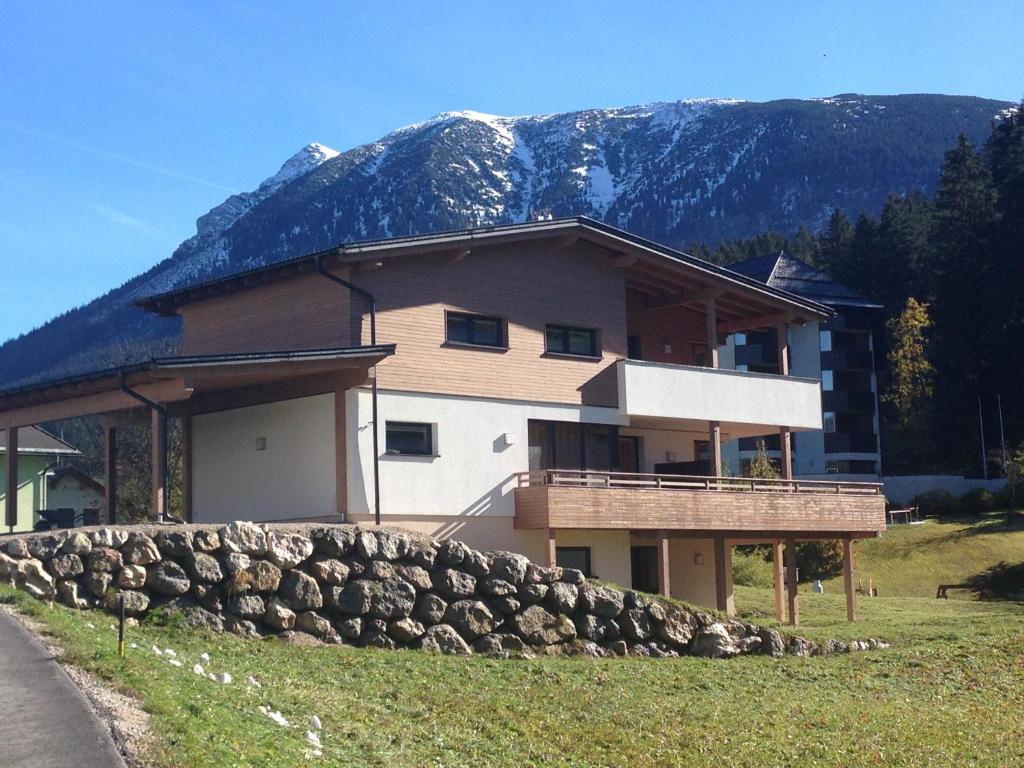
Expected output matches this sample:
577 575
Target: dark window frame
428 432
588 570
567 330
472 318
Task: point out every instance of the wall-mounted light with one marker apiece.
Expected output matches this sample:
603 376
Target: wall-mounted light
666 348
509 438
261 443
698 558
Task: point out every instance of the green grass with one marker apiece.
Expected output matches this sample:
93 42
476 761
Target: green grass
950 692
912 560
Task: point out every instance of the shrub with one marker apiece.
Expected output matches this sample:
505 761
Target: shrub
750 569
936 504
819 559
979 501
1002 582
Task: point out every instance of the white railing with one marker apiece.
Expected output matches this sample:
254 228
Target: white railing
649 481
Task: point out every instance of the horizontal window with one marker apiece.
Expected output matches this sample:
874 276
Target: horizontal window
565 340
574 557
481 330
404 438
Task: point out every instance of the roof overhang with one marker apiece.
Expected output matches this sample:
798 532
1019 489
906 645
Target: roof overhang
165 380
664 276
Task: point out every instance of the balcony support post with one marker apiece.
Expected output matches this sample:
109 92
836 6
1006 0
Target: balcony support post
782 332
663 573
848 574
780 599
11 491
110 472
715 438
794 600
711 313
551 552
786 453
721 575
158 444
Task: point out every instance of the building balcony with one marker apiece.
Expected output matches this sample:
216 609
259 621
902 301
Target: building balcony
741 508
745 404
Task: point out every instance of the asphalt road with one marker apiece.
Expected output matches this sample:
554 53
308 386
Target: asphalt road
45 722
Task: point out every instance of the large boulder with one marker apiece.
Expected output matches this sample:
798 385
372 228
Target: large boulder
453 584
98 582
132 577
77 544
174 543
714 642
430 609
636 624
444 638
416 575
278 615
288 550
329 570
205 540
497 588
204 567
313 623
336 541
167 578
17 548
140 550
113 538
135 602
366 545
67 593
46 546
601 601
392 599
677 628
265 576
66 566
105 560
392 545
247 606
509 567
406 630
452 552
243 537
562 597
379 570
772 642
422 552
300 591
470 617
34 579
537 626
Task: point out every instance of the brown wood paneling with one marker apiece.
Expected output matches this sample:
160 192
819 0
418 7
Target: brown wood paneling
306 312
529 285
618 508
682 328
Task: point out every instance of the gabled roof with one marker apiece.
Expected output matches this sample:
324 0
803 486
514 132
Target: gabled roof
70 470
578 227
36 440
790 274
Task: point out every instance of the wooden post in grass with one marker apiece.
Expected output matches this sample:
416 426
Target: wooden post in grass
120 627
777 572
848 568
794 600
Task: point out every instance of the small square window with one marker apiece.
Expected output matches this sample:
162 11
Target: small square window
828 420
826 381
474 329
563 340
574 557
403 438
739 339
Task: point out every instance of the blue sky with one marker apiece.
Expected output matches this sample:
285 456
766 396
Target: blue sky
121 123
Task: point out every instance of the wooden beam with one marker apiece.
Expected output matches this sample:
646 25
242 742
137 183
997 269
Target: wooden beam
110 472
664 581
786 452
791 585
697 296
157 443
624 260
753 323
721 578
551 548
186 467
779 578
103 402
713 331
849 568
11 492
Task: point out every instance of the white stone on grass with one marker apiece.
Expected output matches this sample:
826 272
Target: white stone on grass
313 739
277 717
204 657
253 682
169 652
174 662
157 651
198 669
314 722
224 678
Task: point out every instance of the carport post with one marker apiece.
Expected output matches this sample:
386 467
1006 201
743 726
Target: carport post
848 573
11 493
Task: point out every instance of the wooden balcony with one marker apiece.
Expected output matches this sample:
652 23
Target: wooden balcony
739 507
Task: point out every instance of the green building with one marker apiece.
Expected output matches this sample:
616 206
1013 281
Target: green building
38 451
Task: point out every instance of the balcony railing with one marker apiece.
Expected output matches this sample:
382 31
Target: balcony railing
649 481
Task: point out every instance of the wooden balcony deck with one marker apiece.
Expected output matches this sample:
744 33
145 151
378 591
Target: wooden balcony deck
739 507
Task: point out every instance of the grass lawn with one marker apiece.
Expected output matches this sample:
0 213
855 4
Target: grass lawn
949 692
912 560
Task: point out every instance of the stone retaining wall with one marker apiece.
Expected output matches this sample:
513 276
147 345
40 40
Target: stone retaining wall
377 587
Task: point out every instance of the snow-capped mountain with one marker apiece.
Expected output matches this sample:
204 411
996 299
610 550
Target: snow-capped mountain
675 172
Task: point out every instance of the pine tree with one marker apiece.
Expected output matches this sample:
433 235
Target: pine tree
835 243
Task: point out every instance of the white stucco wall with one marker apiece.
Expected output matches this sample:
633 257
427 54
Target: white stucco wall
294 477
474 471
68 494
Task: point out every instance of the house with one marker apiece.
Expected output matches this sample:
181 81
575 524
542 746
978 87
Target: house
840 351
68 487
538 387
35 450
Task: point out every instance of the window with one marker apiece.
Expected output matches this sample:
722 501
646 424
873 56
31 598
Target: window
573 446
826 340
739 339
405 438
563 340
826 381
475 329
634 347
828 419
574 557
742 367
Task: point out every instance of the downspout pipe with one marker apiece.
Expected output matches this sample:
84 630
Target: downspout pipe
321 269
152 405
